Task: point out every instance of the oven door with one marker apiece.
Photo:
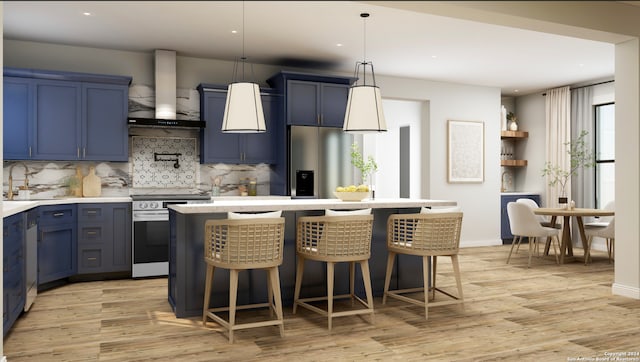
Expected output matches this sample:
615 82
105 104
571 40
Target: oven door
150 243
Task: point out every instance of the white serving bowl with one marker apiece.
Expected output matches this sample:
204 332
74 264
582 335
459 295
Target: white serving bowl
351 196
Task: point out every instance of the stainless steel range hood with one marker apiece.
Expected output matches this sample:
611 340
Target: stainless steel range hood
165 89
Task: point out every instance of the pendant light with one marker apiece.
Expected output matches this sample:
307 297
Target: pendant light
243 110
364 107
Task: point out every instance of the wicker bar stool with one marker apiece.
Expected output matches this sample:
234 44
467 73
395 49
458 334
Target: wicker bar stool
426 235
335 239
241 245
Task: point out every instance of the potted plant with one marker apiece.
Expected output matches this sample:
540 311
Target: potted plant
512 121
581 157
357 160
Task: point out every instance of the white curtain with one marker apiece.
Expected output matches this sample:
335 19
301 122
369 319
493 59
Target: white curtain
558 122
583 183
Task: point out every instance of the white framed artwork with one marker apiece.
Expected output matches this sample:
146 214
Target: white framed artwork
465 156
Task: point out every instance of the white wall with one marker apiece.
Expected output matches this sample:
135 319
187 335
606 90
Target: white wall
480 202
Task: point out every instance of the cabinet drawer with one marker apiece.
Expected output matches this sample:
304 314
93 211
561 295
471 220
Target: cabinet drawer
90 234
58 214
90 259
91 213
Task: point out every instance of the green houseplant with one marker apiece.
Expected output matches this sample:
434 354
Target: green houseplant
581 157
366 167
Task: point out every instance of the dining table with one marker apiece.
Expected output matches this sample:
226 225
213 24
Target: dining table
566 247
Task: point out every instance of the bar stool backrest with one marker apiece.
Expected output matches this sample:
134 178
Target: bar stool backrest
335 238
425 234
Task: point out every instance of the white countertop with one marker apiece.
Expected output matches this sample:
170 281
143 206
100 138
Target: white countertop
13 207
248 204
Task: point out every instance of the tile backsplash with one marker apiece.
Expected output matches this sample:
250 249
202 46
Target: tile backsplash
164 162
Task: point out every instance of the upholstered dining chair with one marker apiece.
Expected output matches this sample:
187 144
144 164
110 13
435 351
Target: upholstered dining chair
331 240
429 234
523 223
607 232
242 242
534 205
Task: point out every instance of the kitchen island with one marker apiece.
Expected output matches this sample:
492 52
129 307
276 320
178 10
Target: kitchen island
186 259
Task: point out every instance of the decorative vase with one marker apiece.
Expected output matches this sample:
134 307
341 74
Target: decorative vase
513 126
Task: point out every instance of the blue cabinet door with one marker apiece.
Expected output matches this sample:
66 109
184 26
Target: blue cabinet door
303 101
260 147
219 147
18 115
105 132
13 269
505 226
57 242
57 131
333 104
216 146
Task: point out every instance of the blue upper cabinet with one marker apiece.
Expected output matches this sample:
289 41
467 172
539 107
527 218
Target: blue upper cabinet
18 116
65 116
105 132
57 120
219 147
312 99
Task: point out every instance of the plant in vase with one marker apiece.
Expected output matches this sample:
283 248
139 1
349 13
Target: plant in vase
512 121
366 168
581 157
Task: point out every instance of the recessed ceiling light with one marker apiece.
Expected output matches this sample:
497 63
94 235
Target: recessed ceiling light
234 32
86 13
581 65
434 56
339 44
516 90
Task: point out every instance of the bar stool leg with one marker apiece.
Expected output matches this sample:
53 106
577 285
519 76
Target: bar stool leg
274 278
270 293
433 276
352 281
456 272
233 296
299 271
387 276
366 277
207 293
425 284
330 274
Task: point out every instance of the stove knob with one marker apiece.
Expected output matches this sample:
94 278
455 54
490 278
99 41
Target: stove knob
143 205
153 205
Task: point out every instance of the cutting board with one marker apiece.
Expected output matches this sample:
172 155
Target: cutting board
91 184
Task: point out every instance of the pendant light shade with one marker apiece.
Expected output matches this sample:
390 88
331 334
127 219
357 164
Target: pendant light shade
243 110
364 107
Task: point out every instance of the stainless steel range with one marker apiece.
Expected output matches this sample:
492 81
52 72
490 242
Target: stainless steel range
151 231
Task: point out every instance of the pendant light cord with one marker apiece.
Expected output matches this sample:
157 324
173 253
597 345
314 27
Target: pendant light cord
244 58
364 17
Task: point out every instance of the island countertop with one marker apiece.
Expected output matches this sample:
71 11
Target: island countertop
258 205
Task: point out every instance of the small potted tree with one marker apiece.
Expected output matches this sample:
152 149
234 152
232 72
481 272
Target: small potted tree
581 157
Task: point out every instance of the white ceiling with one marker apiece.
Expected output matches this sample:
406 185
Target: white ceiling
306 33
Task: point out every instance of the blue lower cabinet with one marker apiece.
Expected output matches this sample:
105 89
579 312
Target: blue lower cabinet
13 270
57 242
505 227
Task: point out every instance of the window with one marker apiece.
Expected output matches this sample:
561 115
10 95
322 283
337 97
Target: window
605 154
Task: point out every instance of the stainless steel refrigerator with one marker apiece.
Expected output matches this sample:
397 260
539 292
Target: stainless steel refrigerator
326 152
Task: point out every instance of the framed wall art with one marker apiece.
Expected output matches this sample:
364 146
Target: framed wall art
465 156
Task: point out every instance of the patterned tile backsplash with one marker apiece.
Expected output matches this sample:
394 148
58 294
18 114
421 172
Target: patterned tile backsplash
164 162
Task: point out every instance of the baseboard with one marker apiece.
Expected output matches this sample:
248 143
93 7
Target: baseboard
476 243
625 291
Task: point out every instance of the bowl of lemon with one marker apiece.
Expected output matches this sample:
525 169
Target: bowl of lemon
352 192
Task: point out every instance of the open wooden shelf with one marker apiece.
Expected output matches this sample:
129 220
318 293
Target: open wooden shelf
513 163
514 134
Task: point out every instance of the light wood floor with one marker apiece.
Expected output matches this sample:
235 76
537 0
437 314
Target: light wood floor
545 313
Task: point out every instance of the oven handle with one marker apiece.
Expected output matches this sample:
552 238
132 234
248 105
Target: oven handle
159 215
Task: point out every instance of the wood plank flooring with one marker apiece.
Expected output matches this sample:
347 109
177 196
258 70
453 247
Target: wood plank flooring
546 313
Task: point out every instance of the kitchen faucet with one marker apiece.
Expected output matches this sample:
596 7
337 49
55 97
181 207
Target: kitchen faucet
10 193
